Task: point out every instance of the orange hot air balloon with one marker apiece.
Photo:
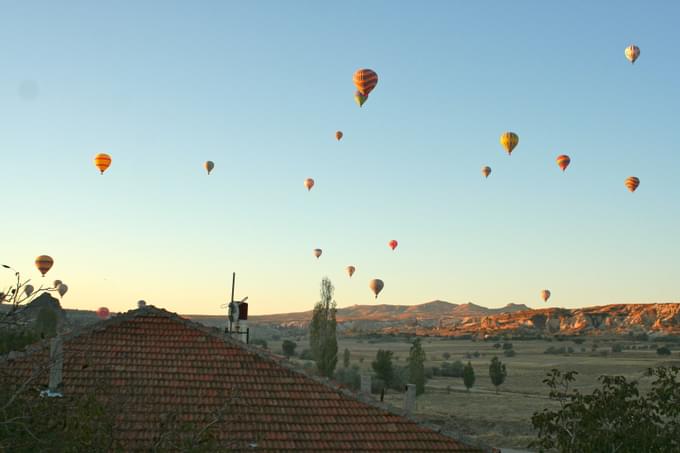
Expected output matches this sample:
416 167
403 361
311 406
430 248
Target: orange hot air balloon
509 140
365 80
317 253
338 135
486 171
44 264
102 313
563 161
350 270
102 161
632 53
393 244
545 295
209 165
632 183
309 183
376 285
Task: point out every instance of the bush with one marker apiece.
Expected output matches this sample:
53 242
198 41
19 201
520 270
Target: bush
349 377
288 348
617 347
497 345
507 346
475 354
454 369
663 350
306 354
509 353
446 355
579 340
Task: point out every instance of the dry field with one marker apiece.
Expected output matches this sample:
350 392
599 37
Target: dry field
503 419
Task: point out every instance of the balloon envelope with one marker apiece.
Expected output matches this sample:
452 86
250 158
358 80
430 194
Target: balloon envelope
632 183
360 98
44 264
56 283
376 285
102 312
317 252
393 244
365 80
309 183
509 140
102 161
545 295
62 289
28 290
350 270
209 165
338 135
632 53
563 161
486 171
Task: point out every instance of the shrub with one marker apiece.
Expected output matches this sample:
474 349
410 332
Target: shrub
579 340
663 350
446 355
617 347
454 369
288 348
507 346
509 353
349 377
306 354
497 345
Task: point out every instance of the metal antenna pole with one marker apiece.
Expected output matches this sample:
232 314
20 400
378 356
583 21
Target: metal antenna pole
233 283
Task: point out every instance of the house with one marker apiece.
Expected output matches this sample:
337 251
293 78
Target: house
158 366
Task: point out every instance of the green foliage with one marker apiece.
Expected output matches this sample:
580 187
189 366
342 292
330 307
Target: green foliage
497 372
468 376
509 353
288 348
454 369
259 342
322 331
446 355
560 350
345 358
507 346
349 377
617 347
416 366
579 340
497 345
306 354
382 365
615 417
663 350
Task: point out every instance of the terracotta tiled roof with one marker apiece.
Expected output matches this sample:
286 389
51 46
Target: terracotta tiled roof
161 364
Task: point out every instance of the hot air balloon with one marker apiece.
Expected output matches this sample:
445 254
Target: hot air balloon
61 289
102 312
309 183
360 98
44 263
350 270
376 285
365 80
486 171
56 284
632 183
632 53
102 162
338 135
393 244
545 295
28 290
209 165
509 140
563 161
317 253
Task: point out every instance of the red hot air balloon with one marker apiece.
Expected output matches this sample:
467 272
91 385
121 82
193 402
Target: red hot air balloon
393 244
103 313
365 80
563 161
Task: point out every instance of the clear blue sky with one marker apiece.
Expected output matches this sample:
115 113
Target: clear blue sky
261 87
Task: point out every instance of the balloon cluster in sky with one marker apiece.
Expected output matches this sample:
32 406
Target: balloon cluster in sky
365 80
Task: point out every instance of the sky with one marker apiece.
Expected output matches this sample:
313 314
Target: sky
260 89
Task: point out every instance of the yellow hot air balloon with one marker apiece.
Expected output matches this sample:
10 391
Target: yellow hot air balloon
44 264
317 253
309 183
350 270
563 161
545 295
376 285
632 53
209 165
338 135
509 140
102 161
632 183
486 171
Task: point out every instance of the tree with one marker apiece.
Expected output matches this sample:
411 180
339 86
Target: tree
497 372
345 358
468 376
446 355
416 366
288 348
322 331
615 417
382 365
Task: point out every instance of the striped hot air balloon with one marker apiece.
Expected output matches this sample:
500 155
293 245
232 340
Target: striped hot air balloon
350 270
102 161
509 140
632 183
44 264
309 183
365 80
563 161
632 53
360 98
486 171
338 135
376 285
